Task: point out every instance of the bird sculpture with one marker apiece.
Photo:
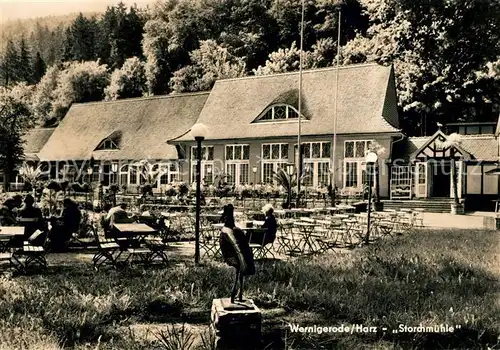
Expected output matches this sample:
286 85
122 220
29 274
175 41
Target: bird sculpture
439 125
235 251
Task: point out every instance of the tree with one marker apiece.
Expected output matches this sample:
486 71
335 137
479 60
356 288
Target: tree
25 63
438 64
14 120
284 60
79 82
155 46
44 96
39 68
81 39
106 32
210 63
129 81
10 64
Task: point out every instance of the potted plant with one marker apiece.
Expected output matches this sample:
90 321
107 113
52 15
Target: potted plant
288 182
452 142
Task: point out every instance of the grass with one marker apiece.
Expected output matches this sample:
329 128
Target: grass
426 277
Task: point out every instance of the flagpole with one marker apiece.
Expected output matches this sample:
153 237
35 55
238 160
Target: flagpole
335 112
299 148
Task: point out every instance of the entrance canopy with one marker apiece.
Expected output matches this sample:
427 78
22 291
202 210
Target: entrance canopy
436 147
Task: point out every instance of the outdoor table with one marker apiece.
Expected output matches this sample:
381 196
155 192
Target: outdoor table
306 229
350 225
133 231
11 231
7 233
241 225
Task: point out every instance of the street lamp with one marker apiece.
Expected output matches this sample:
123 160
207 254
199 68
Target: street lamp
371 159
90 171
114 169
290 169
199 132
254 170
114 182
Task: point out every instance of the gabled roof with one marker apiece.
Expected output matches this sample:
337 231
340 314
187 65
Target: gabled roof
145 124
34 140
433 147
480 147
366 103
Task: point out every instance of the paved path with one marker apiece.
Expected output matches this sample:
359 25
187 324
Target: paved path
476 220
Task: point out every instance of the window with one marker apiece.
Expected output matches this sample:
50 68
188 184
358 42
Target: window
169 172
107 144
356 149
368 177
354 163
279 113
124 175
237 164
487 129
421 174
237 152
316 150
274 158
351 174
133 175
207 164
207 153
316 157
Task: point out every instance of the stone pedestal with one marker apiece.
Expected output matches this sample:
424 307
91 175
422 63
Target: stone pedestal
240 322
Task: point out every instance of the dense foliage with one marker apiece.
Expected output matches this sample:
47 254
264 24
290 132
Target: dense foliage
446 54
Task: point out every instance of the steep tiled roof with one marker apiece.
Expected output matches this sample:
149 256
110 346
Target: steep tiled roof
366 103
144 126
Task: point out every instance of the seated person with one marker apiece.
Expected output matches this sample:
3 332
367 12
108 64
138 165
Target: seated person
29 211
8 210
117 215
266 237
64 226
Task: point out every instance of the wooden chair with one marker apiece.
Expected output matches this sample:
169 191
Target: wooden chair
158 244
108 251
261 249
33 254
288 242
209 241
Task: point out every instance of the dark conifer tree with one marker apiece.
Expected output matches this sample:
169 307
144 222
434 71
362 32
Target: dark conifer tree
39 68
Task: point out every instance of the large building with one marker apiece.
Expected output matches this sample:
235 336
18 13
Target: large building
253 126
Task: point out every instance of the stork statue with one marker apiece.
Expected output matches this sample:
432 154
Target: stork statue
236 251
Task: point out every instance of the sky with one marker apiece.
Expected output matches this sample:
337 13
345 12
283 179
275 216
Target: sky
16 9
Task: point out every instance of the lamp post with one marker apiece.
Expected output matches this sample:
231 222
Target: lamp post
254 170
371 159
114 182
290 168
199 132
91 191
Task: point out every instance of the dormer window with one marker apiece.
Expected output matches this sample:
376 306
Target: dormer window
278 112
106 145
111 142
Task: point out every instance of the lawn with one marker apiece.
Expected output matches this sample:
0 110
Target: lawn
427 277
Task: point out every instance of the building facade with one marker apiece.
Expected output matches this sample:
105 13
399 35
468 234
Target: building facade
253 125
